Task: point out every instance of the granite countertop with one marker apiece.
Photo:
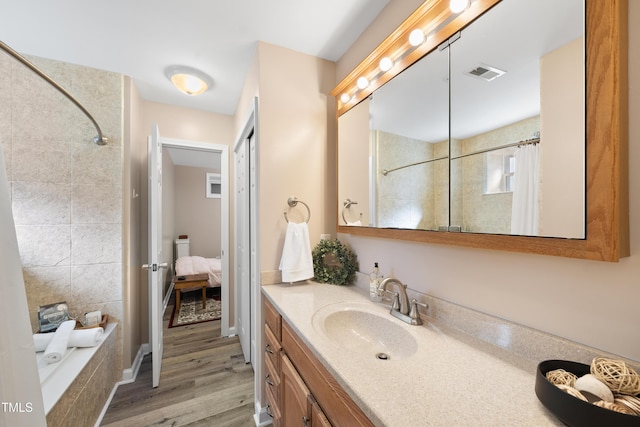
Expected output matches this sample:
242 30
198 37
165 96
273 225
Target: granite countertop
452 378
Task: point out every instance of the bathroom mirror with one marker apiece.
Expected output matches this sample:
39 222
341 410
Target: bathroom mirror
481 92
598 234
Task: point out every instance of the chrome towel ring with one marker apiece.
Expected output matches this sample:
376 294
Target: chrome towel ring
347 204
293 202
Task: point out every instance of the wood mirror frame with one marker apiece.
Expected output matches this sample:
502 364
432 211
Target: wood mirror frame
607 191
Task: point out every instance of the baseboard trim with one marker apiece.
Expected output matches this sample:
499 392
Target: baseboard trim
128 376
260 417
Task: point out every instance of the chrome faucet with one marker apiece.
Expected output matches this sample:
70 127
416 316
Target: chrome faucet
400 306
401 294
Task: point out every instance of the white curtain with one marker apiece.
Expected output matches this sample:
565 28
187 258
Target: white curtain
20 392
524 209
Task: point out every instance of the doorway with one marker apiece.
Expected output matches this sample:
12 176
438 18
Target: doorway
211 239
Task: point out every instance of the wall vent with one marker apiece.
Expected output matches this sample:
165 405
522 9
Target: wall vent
486 72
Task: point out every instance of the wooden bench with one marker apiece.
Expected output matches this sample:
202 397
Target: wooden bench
191 281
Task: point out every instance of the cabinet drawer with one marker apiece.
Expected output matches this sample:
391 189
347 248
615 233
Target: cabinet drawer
273 409
272 381
272 349
273 319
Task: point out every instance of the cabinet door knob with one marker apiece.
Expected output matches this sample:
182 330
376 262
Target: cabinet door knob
305 420
268 349
267 379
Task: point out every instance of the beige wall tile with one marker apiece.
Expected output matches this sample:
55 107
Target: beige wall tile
44 245
96 204
96 283
96 243
40 160
40 203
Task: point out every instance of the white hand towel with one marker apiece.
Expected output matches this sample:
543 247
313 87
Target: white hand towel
296 263
58 345
78 338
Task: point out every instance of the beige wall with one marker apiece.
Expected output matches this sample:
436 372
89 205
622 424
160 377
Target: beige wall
594 303
135 157
562 160
196 215
296 140
354 164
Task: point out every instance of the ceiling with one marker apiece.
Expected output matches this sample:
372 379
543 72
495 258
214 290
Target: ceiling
141 38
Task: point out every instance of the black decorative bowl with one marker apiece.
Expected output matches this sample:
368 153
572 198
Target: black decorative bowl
571 410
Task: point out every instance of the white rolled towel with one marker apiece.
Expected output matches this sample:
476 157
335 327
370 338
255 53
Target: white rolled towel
79 338
58 345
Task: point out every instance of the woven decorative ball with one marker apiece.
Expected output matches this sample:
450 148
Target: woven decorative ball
560 376
572 391
631 402
617 375
614 407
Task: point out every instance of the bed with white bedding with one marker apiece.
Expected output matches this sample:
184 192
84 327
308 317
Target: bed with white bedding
189 265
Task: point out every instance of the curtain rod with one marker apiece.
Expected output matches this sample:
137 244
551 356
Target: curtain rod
514 144
99 139
386 171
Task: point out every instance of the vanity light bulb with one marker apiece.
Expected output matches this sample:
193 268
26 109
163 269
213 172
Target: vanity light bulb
385 64
345 97
457 6
362 82
416 37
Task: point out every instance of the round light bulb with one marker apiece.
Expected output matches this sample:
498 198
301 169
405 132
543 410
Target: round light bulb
385 64
416 37
345 97
457 6
363 82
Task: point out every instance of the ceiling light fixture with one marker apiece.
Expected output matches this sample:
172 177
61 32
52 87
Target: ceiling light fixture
457 6
188 80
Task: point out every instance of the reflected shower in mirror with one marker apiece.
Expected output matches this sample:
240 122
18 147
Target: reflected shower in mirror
517 81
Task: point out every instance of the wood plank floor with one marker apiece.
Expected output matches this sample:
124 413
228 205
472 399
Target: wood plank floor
204 382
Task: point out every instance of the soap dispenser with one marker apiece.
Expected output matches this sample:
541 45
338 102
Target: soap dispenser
374 281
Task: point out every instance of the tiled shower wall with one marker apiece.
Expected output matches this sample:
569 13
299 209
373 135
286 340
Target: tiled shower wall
66 191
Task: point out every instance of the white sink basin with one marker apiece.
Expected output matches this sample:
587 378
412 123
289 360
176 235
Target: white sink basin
360 328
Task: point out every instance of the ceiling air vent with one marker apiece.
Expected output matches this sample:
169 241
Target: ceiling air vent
485 72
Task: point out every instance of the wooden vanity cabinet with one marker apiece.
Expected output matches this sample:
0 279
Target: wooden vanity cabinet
304 392
318 418
272 351
296 398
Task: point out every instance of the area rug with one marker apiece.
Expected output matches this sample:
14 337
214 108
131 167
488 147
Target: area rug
191 310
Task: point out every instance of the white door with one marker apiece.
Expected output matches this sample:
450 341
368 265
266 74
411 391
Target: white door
242 288
155 264
254 289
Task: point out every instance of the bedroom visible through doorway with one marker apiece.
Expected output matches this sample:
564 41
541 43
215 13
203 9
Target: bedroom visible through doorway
195 225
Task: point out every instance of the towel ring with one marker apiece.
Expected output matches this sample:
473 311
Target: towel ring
293 202
347 204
